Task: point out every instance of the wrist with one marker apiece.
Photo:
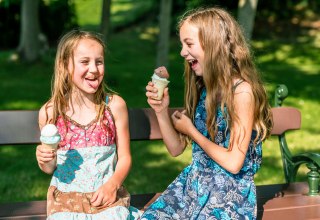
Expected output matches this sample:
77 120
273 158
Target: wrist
115 184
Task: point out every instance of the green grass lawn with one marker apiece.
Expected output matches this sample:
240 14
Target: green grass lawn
130 62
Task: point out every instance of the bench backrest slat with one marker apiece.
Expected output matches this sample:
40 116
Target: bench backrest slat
21 126
284 119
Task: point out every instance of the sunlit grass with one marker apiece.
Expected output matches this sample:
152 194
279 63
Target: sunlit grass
130 62
86 14
122 12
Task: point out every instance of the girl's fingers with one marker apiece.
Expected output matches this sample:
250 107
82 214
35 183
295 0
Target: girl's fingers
96 200
152 101
177 115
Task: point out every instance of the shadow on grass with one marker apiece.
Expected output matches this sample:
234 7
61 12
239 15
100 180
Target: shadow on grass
293 65
20 177
270 172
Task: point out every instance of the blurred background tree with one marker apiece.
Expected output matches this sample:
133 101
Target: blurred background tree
285 40
31 43
105 23
55 17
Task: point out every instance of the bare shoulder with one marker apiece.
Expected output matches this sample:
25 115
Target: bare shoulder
45 114
117 105
243 93
243 87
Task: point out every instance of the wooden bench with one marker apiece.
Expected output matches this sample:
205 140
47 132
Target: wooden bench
277 201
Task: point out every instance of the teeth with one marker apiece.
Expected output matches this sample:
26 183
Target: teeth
192 61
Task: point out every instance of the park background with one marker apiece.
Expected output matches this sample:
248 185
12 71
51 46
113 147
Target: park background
285 41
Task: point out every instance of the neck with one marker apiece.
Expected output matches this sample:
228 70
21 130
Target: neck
82 107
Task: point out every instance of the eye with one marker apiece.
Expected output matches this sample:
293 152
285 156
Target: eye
99 62
84 61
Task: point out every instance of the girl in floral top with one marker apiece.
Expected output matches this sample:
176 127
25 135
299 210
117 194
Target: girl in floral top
93 157
226 118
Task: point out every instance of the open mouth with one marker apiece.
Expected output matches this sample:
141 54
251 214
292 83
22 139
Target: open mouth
193 63
92 82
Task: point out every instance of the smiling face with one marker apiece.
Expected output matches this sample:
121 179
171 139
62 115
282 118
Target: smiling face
87 66
192 50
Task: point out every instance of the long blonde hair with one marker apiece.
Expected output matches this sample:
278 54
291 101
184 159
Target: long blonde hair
227 57
62 84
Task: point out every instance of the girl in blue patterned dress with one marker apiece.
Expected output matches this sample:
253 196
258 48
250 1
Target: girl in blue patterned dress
226 118
93 157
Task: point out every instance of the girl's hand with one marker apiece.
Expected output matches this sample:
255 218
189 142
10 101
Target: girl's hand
44 155
157 105
181 122
105 195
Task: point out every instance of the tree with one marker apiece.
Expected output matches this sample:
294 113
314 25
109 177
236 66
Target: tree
246 14
164 34
30 38
105 24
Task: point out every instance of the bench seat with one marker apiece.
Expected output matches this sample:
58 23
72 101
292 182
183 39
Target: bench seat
275 201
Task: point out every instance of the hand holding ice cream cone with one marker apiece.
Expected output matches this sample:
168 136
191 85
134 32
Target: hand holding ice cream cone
50 136
160 80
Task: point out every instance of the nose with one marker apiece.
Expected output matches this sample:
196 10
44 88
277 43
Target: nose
93 67
184 53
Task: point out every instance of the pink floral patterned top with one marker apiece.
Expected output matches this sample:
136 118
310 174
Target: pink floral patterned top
96 133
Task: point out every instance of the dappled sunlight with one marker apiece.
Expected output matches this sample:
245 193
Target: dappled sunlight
150 33
9 151
122 12
130 61
285 54
85 8
22 174
21 105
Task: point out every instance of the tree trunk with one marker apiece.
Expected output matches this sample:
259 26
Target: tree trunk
29 45
246 14
105 23
164 34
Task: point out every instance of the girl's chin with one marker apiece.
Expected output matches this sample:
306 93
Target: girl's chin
197 72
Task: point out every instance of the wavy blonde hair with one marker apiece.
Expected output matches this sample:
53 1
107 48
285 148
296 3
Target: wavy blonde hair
62 83
227 57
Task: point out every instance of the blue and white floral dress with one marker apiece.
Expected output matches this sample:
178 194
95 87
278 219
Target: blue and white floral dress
204 190
86 159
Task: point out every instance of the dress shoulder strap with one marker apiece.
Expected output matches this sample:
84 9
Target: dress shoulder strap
236 84
107 99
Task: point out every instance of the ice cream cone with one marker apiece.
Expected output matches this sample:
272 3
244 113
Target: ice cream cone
160 81
50 136
160 84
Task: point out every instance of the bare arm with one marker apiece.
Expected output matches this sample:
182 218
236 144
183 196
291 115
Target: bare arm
169 134
106 194
121 117
231 160
46 157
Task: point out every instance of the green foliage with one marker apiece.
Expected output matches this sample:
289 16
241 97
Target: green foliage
123 13
292 59
57 17
9 24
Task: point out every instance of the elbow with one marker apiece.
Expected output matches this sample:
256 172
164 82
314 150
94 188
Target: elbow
176 151
234 171
234 168
175 154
